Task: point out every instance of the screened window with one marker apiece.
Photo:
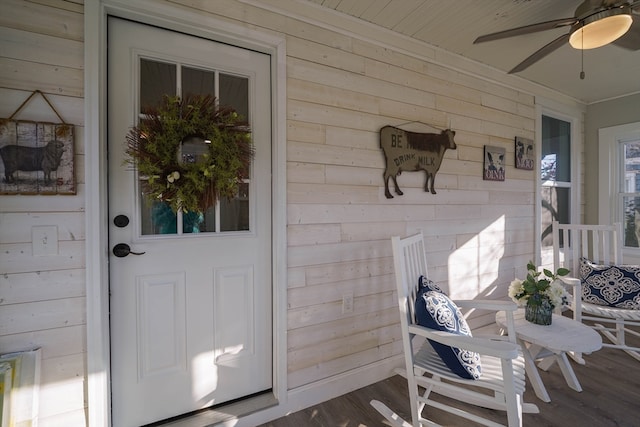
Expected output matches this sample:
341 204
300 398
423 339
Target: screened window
555 174
629 191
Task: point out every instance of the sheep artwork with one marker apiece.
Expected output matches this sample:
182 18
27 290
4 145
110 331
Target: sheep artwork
413 151
28 159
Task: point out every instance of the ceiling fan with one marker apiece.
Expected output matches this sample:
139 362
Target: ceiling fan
595 23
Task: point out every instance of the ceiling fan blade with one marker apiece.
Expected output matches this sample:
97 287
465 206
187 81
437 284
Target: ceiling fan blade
541 53
631 39
527 29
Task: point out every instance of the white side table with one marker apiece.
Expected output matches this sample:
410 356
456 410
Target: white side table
551 343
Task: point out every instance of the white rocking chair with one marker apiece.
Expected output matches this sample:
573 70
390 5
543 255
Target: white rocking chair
502 383
601 244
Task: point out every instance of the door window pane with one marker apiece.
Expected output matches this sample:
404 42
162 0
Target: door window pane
234 91
158 79
198 82
234 213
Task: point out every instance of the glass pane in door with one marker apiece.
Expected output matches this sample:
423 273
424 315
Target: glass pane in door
198 82
234 91
234 213
157 79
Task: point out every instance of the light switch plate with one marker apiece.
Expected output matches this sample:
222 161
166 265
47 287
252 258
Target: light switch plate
44 240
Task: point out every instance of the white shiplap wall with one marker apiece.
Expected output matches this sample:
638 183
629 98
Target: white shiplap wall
42 300
342 87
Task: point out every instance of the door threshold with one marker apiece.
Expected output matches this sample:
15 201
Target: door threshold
211 417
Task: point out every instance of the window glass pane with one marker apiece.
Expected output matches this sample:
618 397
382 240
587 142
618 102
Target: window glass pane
631 224
630 183
555 207
197 82
631 180
556 150
156 80
193 222
163 219
234 91
234 213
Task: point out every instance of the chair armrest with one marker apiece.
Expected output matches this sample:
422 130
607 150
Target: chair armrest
495 305
501 349
576 303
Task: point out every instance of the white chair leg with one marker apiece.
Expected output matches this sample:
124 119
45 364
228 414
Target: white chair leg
389 415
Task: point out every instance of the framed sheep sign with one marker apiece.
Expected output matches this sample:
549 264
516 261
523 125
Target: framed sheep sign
37 158
413 151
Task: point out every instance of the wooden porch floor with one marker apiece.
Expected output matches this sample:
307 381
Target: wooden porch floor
610 382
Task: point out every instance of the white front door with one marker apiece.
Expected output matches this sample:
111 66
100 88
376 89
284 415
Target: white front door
191 316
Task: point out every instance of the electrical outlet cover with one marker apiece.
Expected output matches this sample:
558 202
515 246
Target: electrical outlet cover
44 240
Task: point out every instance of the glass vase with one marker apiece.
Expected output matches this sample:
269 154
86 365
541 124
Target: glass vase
540 314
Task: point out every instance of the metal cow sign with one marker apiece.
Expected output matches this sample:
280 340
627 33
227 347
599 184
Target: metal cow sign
413 151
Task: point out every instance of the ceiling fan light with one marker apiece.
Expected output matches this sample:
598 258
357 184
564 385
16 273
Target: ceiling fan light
600 32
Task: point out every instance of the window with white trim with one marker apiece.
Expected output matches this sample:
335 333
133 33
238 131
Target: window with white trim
555 175
628 200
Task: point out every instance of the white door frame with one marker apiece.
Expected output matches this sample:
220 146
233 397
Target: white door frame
97 285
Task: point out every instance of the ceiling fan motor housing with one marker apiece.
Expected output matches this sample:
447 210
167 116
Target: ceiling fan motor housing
600 27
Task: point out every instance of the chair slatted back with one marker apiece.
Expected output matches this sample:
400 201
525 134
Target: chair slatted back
601 244
410 263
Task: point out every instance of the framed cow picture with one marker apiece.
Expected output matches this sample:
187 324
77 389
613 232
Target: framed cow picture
37 158
493 163
525 153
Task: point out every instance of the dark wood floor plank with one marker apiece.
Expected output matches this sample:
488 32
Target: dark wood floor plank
610 381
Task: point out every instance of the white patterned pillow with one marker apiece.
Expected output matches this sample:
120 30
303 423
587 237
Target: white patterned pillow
614 285
435 310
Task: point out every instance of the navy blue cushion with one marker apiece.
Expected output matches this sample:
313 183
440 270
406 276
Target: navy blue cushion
435 310
426 284
610 285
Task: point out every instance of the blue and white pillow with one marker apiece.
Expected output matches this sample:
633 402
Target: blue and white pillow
426 284
435 310
614 285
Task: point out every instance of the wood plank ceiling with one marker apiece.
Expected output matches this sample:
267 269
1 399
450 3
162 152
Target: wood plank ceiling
611 71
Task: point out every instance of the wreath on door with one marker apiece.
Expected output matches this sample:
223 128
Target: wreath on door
190 152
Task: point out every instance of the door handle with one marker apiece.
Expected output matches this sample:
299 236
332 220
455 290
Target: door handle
121 250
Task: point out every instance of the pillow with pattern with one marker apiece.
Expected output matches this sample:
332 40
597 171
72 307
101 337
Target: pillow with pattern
610 285
435 310
426 284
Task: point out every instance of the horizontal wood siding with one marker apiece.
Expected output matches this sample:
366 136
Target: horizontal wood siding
42 298
341 90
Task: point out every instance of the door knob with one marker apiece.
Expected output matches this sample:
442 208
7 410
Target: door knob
121 250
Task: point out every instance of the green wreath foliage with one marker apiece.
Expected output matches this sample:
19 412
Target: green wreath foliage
154 144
